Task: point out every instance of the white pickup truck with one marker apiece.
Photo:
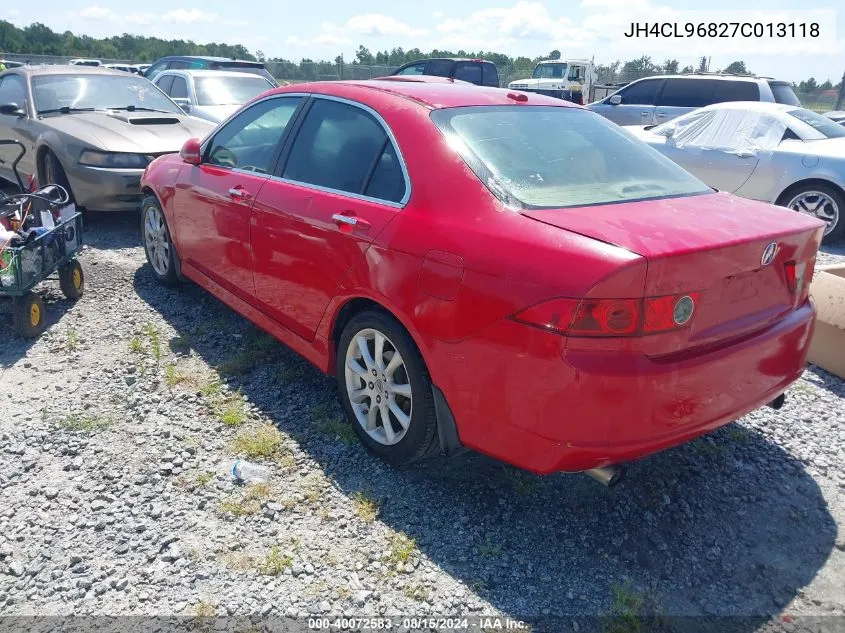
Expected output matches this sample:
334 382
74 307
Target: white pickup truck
571 79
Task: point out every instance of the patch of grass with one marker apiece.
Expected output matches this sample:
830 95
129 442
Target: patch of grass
489 549
319 412
290 372
739 434
211 388
203 478
232 412
258 349
263 441
154 341
275 562
338 428
83 423
709 448
626 610
365 507
205 610
522 482
72 341
239 507
135 345
402 548
416 592
173 377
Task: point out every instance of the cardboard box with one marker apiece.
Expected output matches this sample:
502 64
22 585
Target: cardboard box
827 349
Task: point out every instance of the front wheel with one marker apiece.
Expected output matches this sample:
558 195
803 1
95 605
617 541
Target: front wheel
822 202
385 389
72 280
28 315
157 243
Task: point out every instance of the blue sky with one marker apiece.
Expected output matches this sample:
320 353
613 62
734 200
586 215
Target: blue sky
326 28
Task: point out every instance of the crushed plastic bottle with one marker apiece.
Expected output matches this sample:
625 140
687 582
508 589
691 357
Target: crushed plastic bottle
246 472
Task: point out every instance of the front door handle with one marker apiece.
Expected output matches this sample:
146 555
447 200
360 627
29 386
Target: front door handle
239 192
661 115
350 221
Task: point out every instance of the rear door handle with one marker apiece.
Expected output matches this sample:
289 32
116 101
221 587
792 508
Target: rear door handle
239 192
661 115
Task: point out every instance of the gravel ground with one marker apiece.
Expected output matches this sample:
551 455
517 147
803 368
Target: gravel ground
115 423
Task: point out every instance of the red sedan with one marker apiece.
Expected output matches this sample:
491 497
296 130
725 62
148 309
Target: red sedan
488 269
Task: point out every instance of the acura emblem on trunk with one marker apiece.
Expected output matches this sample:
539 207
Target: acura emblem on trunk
769 253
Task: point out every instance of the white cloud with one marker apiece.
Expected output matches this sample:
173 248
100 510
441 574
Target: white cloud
437 15
189 16
378 24
331 39
96 12
524 20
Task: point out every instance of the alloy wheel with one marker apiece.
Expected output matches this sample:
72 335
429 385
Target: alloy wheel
819 205
378 386
156 240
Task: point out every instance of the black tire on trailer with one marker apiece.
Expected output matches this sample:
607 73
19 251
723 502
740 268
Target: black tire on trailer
28 315
72 280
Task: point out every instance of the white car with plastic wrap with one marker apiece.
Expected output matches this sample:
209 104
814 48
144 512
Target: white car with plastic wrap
773 152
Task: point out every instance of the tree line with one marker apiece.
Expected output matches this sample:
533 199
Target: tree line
38 39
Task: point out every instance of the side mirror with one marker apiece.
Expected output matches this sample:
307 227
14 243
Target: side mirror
12 109
615 99
191 152
183 103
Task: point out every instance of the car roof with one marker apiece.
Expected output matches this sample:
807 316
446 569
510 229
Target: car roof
47 69
709 76
755 106
431 92
205 72
208 58
447 59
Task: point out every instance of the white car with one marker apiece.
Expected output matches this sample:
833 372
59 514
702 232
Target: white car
773 152
82 61
212 95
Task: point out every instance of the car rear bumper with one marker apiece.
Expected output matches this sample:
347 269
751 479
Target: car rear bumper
529 405
99 189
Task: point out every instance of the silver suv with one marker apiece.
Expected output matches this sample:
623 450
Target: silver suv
654 100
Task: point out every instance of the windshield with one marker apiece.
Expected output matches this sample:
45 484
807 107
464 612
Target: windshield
783 93
551 157
549 71
98 92
821 124
229 90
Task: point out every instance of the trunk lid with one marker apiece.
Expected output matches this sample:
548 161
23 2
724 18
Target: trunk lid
711 244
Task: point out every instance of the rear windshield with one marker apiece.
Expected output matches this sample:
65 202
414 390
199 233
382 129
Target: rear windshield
784 94
552 157
244 67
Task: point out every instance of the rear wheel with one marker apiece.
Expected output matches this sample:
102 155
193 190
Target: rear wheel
385 388
28 315
822 202
72 280
157 244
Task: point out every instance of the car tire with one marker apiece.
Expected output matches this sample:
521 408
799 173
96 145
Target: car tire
158 247
54 174
807 196
381 384
72 280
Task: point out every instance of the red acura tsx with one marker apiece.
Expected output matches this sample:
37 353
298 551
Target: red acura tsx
488 269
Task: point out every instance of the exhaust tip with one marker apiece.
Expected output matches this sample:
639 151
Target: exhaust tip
608 476
777 403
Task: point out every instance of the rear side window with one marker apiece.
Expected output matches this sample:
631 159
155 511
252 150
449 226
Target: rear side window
687 93
783 93
343 147
468 71
553 157
179 89
641 93
489 75
736 91
178 65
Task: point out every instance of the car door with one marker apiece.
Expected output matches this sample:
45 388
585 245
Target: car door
212 201
636 106
681 95
21 128
340 182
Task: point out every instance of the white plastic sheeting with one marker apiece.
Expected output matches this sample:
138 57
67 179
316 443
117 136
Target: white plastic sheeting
731 131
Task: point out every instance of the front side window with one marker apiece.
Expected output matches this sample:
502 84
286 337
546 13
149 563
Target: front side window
821 125
13 90
729 90
416 69
553 157
179 89
641 93
439 67
165 83
229 90
343 147
550 71
250 140
576 73
98 92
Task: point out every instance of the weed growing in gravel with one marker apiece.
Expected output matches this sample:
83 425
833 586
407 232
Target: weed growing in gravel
239 507
258 349
290 371
173 377
205 610
72 342
417 592
275 562
708 448
332 425
203 478
522 482
739 434
489 549
263 441
135 345
626 610
402 548
83 423
154 341
365 507
231 412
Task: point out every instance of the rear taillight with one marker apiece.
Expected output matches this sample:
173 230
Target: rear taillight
798 278
612 317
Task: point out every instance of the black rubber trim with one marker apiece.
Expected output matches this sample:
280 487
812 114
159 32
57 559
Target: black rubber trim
447 430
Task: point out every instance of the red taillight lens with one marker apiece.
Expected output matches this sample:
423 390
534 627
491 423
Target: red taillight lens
798 278
611 317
